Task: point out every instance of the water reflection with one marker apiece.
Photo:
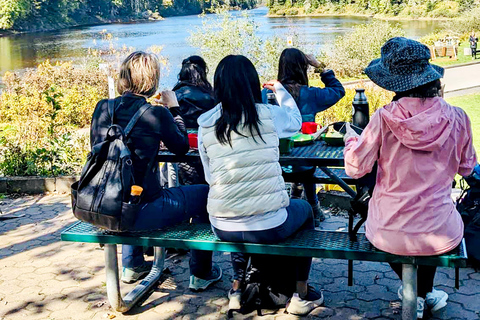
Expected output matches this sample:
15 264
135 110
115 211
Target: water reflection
317 33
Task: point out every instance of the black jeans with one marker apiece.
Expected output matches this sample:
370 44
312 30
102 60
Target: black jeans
425 276
300 217
173 206
307 177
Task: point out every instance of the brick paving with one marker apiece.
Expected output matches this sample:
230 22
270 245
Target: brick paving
44 278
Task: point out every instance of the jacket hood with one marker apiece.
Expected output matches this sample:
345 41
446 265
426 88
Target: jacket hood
419 124
209 118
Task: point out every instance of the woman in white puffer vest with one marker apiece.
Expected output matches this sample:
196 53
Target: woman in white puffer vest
247 201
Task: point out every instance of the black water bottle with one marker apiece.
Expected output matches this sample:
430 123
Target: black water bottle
361 115
271 99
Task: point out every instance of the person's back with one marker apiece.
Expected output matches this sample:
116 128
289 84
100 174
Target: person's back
193 90
144 141
423 145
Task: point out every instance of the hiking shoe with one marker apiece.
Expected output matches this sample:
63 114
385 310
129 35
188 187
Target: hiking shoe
234 298
131 275
197 284
420 307
436 300
302 307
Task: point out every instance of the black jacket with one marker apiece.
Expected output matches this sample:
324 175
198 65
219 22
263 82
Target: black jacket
193 101
157 124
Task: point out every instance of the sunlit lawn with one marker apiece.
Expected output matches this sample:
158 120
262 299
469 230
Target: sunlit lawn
471 105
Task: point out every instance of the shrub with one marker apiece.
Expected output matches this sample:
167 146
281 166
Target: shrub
224 34
465 24
42 114
342 110
291 12
354 51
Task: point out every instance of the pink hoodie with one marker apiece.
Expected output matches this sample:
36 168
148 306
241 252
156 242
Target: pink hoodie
420 146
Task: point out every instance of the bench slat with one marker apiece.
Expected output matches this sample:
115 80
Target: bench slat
311 243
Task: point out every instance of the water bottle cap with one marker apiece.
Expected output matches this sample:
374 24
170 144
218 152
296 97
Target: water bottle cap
136 191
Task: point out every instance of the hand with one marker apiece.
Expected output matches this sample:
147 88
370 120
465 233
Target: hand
270 85
318 65
168 99
350 133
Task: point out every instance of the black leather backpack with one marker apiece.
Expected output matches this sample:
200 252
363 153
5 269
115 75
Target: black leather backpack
101 195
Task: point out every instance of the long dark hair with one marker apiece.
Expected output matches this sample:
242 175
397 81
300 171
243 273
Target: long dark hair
237 88
428 90
194 70
292 71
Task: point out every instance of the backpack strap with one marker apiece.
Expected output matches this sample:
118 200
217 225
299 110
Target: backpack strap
135 119
111 109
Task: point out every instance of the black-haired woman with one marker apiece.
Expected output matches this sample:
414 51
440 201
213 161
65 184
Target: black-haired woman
195 96
292 73
194 92
247 201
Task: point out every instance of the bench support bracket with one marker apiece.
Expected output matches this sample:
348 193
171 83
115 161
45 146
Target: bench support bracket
141 290
409 302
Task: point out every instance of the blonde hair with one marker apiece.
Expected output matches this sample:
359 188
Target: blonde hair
139 74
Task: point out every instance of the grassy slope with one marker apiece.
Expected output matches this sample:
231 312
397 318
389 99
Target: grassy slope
471 105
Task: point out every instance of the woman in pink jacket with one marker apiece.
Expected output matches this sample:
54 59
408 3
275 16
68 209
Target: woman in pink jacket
420 143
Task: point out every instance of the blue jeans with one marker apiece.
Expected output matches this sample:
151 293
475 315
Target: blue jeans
299 217
173 206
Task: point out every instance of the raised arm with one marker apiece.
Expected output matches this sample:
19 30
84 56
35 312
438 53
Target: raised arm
173 131
326 97
286 116
361 152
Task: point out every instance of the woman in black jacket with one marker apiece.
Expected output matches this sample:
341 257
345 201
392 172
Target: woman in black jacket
138 80
195 96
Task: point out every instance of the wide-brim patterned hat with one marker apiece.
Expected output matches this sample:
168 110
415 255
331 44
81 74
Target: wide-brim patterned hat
403 65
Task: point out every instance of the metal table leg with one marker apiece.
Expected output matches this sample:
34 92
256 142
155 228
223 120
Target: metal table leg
409 302
113 284
339 181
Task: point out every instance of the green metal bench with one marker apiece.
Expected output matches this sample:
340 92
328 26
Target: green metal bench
311 243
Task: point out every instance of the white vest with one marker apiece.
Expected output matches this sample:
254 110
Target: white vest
246 178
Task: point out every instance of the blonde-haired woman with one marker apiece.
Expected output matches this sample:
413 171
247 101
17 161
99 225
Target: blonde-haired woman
138 80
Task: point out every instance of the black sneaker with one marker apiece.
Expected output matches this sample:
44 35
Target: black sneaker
302 307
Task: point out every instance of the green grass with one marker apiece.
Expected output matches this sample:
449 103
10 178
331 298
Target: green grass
471 104
444 62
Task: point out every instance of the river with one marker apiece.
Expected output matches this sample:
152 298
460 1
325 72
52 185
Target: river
23 51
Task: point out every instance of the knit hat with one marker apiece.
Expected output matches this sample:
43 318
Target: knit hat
403 65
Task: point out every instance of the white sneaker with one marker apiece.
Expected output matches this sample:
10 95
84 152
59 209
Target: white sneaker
420 307
234 298
436 300
302 307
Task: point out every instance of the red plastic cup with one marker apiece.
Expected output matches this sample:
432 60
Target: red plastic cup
309 127
193 140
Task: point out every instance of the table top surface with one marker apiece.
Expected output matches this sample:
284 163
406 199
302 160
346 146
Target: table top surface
315 154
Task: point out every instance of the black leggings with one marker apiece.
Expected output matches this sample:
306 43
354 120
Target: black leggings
425 276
